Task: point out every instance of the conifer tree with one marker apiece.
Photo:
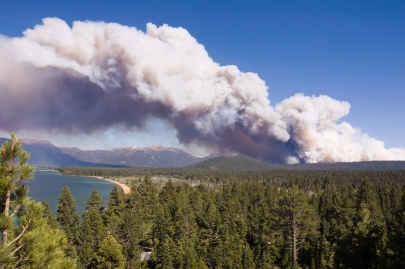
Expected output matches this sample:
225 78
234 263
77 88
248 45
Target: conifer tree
130 239
40 246
94 201
296 218
247 257
148 208
109 255
165 254
68 219
92 230
13 169
85 248
199 264
52 222
369 233
112 217
400 240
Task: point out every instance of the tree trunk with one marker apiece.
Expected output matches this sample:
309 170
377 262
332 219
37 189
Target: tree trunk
294 240
6 213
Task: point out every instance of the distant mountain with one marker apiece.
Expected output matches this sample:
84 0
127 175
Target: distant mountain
236 162
46 154
154 156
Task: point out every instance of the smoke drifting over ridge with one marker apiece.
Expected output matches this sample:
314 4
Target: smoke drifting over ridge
98 75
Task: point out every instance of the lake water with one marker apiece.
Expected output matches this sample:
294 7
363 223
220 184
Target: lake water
47 185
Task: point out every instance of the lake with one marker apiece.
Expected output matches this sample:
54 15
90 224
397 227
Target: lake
47 185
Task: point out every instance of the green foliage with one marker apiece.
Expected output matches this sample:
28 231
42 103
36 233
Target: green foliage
13 170
66 214
165 255
109 255
212 218
68 219
94 201
91 231
40 246
112 217
47 214
30 235
296 218
238 162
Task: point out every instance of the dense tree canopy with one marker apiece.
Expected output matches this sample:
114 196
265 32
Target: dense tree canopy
259 219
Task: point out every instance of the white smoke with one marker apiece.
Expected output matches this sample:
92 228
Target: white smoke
124 75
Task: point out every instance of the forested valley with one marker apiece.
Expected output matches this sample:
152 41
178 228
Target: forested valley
244 219
196 218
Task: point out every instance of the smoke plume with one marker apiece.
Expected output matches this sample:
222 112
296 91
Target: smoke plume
94 75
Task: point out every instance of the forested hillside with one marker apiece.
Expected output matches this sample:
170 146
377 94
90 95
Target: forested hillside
248 219
237 162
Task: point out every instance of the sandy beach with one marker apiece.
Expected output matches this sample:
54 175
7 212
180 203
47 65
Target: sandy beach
124 187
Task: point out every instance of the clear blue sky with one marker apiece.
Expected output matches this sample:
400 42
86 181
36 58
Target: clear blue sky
349 50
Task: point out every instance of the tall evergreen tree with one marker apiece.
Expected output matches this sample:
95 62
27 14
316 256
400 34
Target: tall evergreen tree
112 217
148 208
400 240
94 201
13 169
165 255
109 255
92 230
129 238
52 222
296 218
68 219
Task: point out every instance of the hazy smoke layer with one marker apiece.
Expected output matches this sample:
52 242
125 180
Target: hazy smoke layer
97 75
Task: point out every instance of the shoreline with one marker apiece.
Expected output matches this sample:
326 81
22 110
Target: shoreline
125 188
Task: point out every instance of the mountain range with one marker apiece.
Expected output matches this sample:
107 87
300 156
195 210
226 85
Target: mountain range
153 156
44 153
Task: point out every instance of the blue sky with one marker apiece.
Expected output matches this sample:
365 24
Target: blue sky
349 50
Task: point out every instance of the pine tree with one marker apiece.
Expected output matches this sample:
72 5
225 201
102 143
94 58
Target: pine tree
247 257
148 208
109 255
112 217
370 231
296 218
92 230
13 169
209 224
85 249
68 219
199 264
232 251
94 201
130 230
52 222
400 240
165 254
40 246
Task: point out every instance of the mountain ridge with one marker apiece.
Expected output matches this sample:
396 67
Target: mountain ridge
44 153
152 156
